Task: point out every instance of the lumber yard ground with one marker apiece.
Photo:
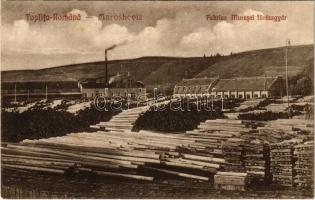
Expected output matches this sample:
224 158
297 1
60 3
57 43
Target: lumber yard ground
114 162
103 187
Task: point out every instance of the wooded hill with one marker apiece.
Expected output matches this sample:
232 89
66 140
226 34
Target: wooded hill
170 70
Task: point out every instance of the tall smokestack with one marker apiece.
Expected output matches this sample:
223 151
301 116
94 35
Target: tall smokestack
106 50
106 73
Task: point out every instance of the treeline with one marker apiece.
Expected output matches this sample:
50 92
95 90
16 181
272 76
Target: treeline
303 83
170 120
43 123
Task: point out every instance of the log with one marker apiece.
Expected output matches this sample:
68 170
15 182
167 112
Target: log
137 177
133 153
203 158
205 164
65 164
180 174
40 169
232 174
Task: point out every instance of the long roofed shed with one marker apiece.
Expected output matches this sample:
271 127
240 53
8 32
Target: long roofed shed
194 86
246 84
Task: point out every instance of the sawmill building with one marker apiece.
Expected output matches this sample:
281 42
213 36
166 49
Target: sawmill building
195 87
243 88
122 85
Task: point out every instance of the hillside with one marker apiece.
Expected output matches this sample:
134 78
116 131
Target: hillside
169 70
258 62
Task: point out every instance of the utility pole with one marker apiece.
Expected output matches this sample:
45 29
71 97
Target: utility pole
222 101
154 94
287 43
46 95
212 94
14 93
106 75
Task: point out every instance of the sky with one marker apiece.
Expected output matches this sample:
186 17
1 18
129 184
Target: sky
167 29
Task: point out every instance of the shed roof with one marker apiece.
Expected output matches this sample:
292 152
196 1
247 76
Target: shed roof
196 82
245 83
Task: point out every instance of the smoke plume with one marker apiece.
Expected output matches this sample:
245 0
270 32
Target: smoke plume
116 45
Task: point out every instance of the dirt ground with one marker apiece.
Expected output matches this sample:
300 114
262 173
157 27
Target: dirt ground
106 187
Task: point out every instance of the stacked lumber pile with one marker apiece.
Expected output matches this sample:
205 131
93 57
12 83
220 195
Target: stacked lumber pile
248 104
115 154
294 124
257 160
231 181
277 107
304 165
282 162
308 99
212 133
122 121
286 129
233 152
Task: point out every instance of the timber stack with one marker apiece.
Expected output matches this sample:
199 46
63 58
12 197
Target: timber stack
114 154
212 133
248 105
233 152
231 181
257 161
304 154
122 121
282 162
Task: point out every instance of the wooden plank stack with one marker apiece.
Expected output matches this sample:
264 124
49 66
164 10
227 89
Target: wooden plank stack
115 154
212 133
282 162
231 181
248 104
233 152
122 121
257 161
304 165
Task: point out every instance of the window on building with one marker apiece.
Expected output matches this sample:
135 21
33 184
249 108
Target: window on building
226 96
263 96
247 96
240 96
256 95
219 96
140 89
233 96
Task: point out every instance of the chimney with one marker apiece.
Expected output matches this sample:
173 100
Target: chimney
106 73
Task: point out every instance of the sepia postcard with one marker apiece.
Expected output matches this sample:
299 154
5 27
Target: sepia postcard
157 99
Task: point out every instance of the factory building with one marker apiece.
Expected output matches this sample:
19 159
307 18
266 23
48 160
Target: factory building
195 87
123 85
242 88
